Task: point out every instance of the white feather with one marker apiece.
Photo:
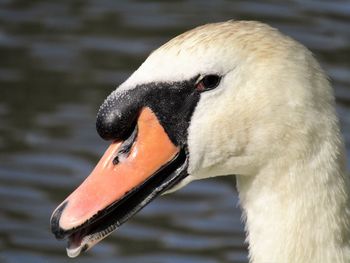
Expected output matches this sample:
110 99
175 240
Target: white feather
272 123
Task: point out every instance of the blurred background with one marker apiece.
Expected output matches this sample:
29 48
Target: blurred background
60 59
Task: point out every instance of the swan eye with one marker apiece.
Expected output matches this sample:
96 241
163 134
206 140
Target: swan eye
208 82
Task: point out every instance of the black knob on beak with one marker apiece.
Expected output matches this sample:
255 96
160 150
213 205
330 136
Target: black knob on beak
117 116
172 102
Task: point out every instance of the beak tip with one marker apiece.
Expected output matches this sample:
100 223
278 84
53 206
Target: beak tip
55 221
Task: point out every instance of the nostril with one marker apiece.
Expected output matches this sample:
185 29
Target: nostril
125 148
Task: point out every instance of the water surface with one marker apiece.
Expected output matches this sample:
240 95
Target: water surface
60 59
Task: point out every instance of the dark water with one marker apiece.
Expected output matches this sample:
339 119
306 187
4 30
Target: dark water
60 59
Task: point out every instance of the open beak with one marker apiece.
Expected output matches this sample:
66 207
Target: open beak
128 176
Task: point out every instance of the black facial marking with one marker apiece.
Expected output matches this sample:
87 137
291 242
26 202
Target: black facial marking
173 103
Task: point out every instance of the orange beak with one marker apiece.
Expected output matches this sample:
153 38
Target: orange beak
127 177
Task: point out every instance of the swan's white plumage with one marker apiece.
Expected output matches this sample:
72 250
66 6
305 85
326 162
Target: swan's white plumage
271 122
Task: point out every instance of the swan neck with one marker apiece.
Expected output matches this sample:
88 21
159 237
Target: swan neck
297 210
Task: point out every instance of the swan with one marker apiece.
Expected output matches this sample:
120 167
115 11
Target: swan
235 98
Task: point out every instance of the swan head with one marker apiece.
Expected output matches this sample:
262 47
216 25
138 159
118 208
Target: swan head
221 99
271 100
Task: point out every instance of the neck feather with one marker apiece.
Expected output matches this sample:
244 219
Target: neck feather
298 209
